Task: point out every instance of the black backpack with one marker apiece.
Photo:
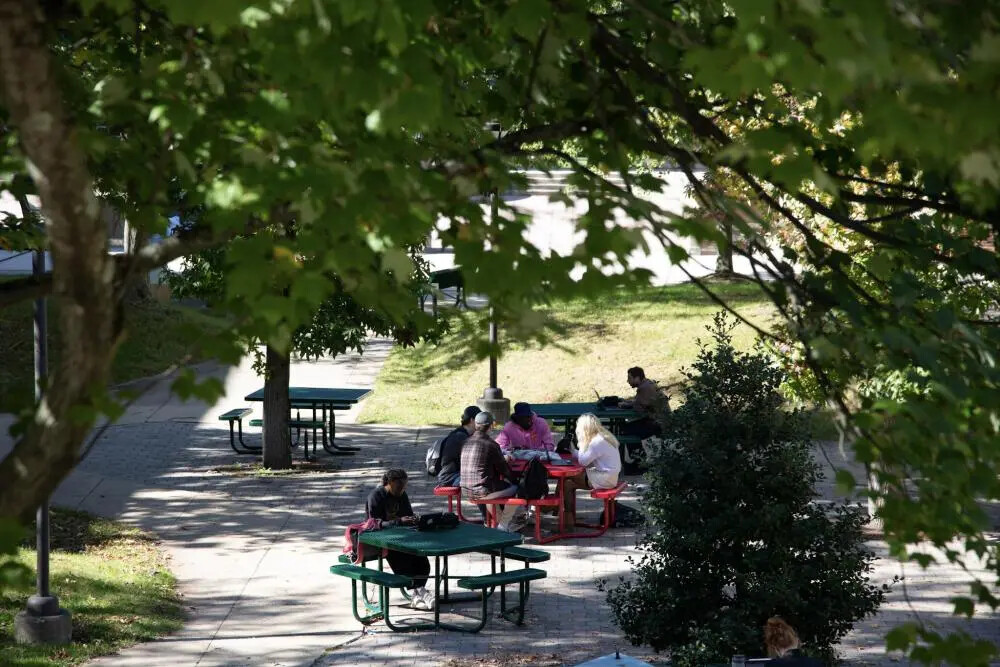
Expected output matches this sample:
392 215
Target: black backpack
534 482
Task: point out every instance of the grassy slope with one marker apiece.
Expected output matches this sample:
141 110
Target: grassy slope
158 335
656 329
114 581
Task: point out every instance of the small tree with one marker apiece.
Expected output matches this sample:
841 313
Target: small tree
738 535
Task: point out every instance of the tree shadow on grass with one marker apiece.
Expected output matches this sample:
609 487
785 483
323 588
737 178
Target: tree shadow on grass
73 532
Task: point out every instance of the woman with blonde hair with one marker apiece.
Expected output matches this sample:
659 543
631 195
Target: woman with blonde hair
783 645
598 454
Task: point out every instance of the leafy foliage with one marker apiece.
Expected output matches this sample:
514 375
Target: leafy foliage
738 535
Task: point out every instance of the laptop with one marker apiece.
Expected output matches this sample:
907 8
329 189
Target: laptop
606 401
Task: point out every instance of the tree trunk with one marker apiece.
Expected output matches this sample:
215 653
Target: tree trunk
82 270
277 441
724 265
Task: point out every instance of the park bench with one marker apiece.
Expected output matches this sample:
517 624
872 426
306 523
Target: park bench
550 500
366 575
522 578
454 495
608 496
235 416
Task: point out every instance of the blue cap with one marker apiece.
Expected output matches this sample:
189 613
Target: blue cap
522 410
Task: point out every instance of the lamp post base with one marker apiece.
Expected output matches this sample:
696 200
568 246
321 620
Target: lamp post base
52 626
493 402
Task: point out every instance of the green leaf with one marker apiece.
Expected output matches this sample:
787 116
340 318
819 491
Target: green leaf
964 606
901 637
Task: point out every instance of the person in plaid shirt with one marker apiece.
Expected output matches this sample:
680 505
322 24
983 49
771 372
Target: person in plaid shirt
486 475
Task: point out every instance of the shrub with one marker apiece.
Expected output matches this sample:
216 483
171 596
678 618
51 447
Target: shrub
737 535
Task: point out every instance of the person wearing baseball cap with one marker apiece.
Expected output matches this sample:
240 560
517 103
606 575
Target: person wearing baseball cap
486 475
451 451
525 430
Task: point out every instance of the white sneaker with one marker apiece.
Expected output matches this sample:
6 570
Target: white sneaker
428 599
415 597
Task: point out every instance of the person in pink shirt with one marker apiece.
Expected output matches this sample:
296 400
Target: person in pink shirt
525 430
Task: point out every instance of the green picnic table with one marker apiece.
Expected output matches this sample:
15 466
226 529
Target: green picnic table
445 278
568 413
321 399
439 545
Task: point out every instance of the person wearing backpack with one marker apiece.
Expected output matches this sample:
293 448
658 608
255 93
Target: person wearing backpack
390 504
598 454
450 458
450 461
486 474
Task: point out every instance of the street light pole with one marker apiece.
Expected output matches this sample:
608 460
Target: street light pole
42 621
493 400
494 211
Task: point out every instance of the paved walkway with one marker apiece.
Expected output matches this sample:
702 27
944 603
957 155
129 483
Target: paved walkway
252 553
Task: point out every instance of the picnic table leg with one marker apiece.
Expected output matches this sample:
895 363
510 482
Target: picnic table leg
328 443
254 449
232 439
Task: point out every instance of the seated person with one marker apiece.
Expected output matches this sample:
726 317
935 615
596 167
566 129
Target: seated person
783 645
649 402
390 503
451 452
525 430
486 475
451 448
598 454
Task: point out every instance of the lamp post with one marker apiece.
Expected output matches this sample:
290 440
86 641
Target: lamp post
493 400
42 621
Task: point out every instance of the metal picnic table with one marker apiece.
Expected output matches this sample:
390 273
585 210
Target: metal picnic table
558 472
568 413
322 399
439 545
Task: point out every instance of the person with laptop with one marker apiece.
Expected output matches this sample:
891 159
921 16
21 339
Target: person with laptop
486 475
649 402
525 430
390 504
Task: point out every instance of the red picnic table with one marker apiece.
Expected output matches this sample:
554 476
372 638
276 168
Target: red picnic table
558 472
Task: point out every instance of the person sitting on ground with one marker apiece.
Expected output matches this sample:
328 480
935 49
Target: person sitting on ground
486 475
390 503
783 645
649 402
451 452
598 453
525 430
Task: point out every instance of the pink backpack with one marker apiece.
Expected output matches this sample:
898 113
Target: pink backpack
352 545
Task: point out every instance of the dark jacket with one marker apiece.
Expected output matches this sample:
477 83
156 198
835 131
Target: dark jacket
483 466
451 454
794 659
383 505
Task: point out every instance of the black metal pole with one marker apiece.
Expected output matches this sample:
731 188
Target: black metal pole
493 350
494 211
41 371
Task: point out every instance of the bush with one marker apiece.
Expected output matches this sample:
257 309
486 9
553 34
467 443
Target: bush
737 535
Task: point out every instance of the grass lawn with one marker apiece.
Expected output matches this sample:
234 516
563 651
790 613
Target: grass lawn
158 335
656 329
114 581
